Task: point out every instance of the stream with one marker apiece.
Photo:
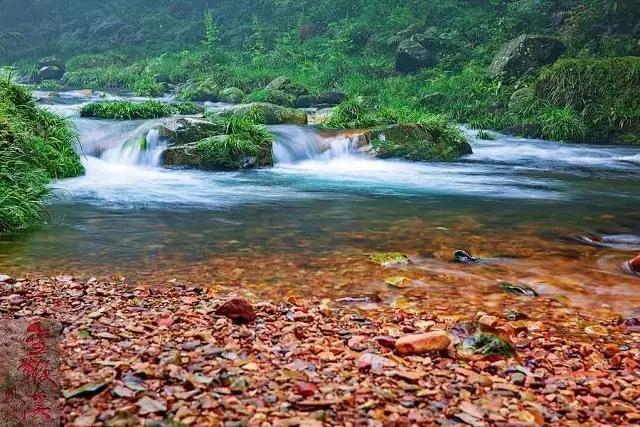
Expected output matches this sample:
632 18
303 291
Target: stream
562 218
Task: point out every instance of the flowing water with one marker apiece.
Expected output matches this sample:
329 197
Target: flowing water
562 218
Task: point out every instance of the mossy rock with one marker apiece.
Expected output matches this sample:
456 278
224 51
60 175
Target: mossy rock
296 89
389 259
186 130
265 113
418 142
271 96
221 152
279 83
203 91
522 99
483 344
524 54
231 95
412 56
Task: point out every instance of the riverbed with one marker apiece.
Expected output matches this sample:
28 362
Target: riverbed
561 218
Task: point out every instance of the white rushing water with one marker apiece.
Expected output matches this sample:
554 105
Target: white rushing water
122 161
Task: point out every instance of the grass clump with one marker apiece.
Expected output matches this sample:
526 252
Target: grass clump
597 97
486 135
128 110
36 146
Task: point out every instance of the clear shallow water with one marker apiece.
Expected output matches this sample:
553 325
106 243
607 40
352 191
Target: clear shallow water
525 203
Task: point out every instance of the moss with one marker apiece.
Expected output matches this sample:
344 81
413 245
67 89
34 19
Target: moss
389 259
485 344
127 110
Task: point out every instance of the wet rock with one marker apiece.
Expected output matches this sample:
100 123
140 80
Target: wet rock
231 95
201 91
634 265
523 290
360 299
465 258
423 343
49 73
7 279
186 130
514 315
305 101
415 142
373 362
239 310
239 385
524 54
632 323
305 389
148 405
485 344
389 259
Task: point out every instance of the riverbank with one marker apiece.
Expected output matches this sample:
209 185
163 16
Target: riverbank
171 353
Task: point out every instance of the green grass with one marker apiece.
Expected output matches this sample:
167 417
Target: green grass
36 146
129 110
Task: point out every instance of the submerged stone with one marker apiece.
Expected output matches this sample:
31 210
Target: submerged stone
423 343
634 265
523 290
465 258
485 344
389 259
239 310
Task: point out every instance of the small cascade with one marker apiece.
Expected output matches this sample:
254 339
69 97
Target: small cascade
145 151
126 143
295 144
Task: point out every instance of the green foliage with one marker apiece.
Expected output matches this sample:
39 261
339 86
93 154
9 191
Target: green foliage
35 147
560 124
211 33
127 110
603 93
145 85
200 90
271 96
49 85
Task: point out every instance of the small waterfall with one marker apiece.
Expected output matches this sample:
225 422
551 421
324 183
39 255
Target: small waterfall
145 151
126 143
295 144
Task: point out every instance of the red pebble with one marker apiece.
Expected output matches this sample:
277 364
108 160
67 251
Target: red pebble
239 310
305 389
634 264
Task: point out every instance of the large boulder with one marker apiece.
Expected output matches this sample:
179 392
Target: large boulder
49 72
265 113
412 56
523 54
185 130
231 95
51 61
